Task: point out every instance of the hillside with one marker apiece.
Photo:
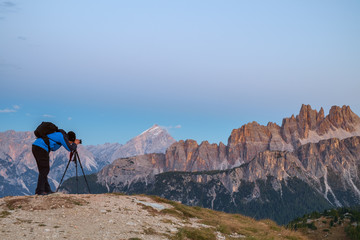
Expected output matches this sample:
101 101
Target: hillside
113 216
340 223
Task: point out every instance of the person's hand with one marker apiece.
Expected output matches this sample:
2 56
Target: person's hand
77 141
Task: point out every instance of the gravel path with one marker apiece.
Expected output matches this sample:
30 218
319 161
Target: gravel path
103 216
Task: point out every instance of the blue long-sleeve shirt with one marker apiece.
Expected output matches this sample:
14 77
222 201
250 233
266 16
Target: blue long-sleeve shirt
56 139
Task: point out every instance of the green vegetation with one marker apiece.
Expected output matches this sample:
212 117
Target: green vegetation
294 199
226 224
347 218
195 234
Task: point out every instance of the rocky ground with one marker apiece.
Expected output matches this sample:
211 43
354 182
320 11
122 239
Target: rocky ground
106 216
125 217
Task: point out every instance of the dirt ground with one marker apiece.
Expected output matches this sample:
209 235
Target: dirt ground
103 216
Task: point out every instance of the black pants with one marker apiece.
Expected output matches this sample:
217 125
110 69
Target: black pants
43 164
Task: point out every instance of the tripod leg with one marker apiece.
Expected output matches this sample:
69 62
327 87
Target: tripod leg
83 171
63 175
77 179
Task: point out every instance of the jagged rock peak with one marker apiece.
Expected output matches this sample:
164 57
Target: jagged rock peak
343 117
308 126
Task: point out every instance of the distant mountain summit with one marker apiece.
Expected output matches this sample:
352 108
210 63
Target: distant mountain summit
154 140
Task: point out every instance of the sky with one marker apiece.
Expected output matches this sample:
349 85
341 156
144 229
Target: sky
111 69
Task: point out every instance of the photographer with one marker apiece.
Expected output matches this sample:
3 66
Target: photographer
41 148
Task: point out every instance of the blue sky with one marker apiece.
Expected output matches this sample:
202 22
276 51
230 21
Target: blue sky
111 69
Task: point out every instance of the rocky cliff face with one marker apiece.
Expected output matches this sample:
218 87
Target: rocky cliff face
189 156
246 142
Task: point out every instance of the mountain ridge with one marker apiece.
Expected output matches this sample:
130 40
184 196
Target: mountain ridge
245 142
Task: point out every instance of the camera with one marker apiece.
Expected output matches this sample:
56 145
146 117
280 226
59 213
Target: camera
80 140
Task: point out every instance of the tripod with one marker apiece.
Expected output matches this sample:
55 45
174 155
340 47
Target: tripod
74 156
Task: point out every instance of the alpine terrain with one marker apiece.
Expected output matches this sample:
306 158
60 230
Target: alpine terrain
309 163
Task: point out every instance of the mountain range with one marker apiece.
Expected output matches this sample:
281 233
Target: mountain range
309 163
18 174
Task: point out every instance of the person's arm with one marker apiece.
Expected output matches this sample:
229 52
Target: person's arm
68 145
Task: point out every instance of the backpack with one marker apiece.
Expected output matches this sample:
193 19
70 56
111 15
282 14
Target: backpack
43 130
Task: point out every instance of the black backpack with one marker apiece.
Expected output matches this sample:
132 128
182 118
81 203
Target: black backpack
43 130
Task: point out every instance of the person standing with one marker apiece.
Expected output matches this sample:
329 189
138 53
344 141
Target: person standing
41 149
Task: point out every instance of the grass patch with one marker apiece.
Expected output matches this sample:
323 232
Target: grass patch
251 229
4 214
135 238
42 225
13 204
150 231
223 229
116 193
195 234
75 202
24 220
291 238
167 221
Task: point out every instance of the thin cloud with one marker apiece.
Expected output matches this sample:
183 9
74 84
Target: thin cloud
15 108
48 116
7 4
69 118
171 127
7 110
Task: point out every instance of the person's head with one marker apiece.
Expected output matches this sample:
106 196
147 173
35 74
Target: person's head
71 136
